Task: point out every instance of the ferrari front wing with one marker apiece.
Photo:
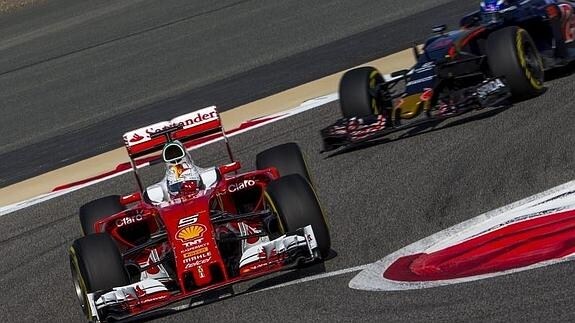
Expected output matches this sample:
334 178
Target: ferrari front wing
283 252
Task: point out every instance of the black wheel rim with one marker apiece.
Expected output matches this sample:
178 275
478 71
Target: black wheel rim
532 60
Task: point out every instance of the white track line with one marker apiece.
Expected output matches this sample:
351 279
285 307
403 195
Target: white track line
371 278
307 105
314 277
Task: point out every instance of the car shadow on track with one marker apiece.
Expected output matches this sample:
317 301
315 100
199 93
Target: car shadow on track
290 276
428 127
560 72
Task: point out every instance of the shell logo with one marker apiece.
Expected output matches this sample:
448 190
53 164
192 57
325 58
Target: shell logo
191 232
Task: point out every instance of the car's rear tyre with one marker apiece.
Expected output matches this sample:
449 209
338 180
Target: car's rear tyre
286 158
512 54
96 264
295 203
93 211
356 92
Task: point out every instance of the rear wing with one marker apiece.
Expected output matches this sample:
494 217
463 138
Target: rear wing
191 129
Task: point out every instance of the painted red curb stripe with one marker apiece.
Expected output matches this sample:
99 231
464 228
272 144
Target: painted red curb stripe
514 246
126 166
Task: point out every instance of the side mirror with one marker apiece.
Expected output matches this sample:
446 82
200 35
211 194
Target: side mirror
131 198
439 29
470 20
416 52
399 73
229 168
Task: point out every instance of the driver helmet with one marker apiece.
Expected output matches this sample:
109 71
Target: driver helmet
491 9
182 175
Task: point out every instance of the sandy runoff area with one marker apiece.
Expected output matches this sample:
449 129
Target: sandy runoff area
11 5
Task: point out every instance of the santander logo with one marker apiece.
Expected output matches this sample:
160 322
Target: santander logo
136 137
531 233
186 121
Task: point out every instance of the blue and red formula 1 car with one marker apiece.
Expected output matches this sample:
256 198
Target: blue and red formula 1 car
499 55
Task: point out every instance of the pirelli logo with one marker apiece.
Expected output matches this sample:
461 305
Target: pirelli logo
196 252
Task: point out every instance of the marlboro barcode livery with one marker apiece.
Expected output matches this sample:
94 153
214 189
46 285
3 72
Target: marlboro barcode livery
197 229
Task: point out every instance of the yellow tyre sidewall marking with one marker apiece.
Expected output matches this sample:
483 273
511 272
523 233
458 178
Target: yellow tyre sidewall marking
372 83
74 258
271 204
535 83
311 181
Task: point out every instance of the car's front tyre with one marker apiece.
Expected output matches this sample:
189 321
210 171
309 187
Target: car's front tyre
512 54
295 203
357 92
96 264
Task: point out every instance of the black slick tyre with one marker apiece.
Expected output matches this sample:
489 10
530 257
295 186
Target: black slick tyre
296 206
512 54
93 211
356 92
96 264
286 158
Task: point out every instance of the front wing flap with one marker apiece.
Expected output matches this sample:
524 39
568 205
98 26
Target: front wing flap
348 132
283 252
123 299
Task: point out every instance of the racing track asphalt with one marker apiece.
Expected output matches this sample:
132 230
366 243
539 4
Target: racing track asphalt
378 199
70 89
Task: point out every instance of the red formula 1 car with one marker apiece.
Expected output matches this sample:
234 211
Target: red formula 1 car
144 251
